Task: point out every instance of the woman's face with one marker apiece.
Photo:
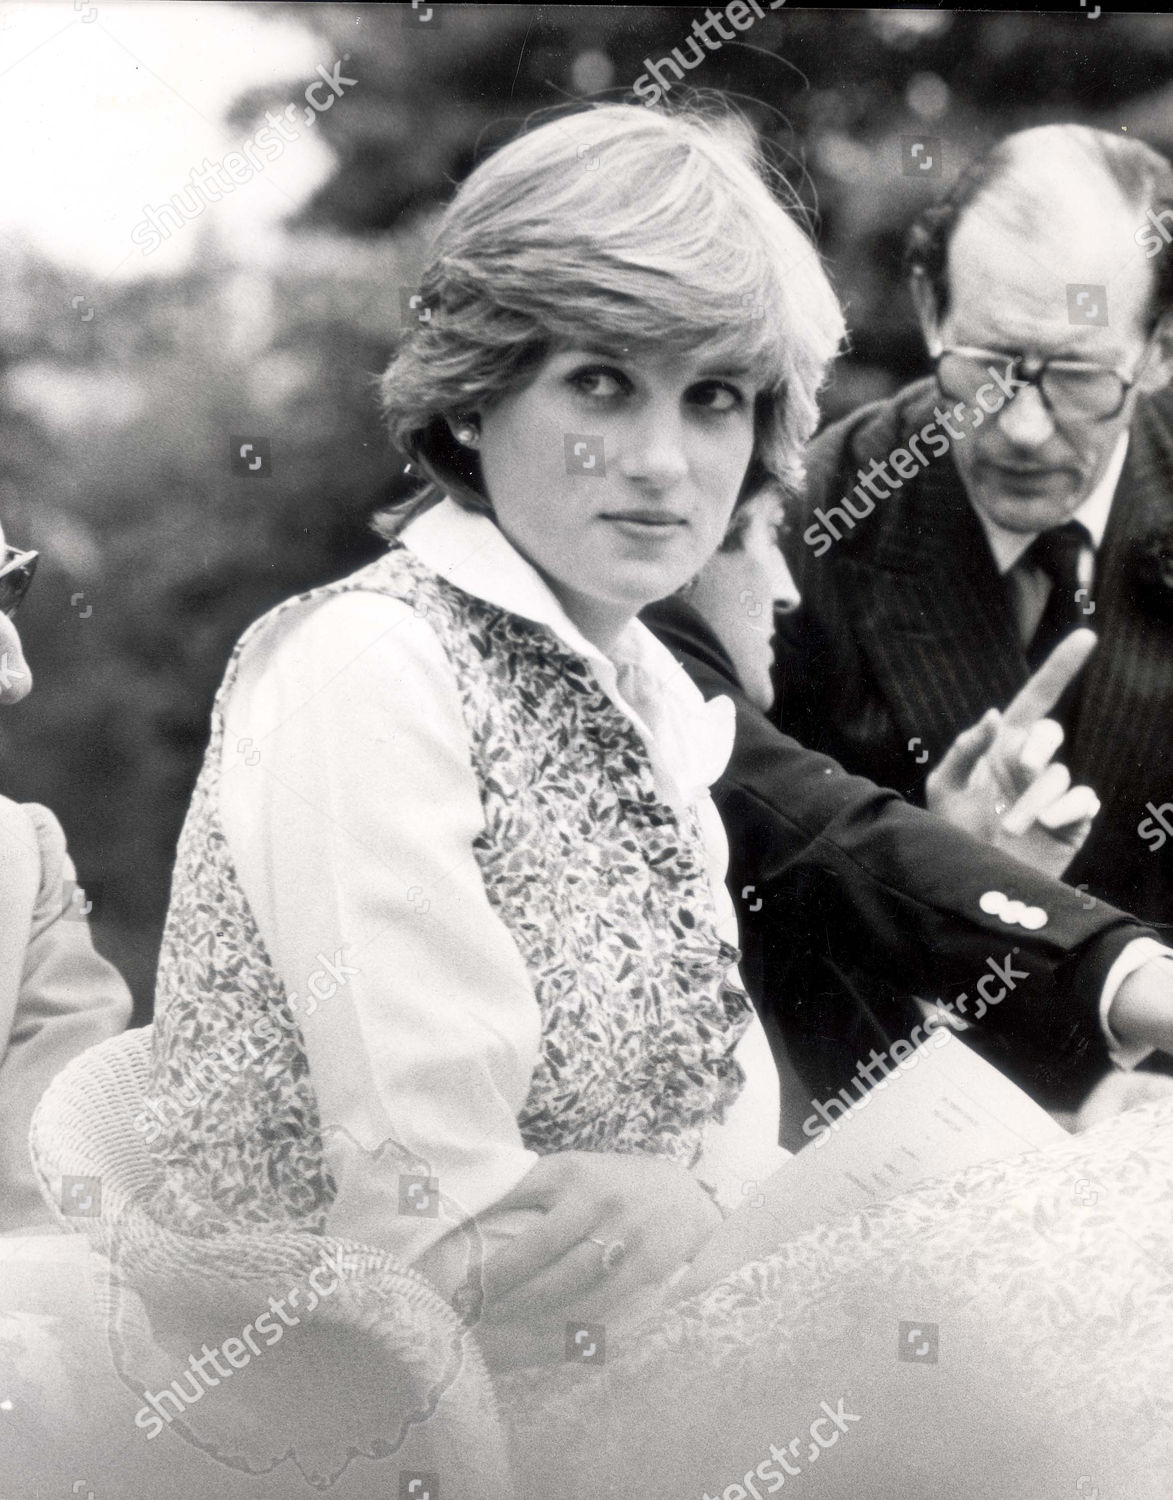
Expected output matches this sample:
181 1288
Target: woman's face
616 474
737 592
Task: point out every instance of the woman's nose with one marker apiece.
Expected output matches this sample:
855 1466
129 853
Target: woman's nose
783 588
654 449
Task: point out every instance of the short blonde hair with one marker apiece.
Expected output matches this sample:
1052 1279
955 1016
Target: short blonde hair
653 230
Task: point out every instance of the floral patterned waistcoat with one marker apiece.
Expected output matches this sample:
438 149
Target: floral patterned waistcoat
605 892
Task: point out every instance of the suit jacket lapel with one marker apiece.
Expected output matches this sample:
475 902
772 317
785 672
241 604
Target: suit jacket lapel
931 611
1126 681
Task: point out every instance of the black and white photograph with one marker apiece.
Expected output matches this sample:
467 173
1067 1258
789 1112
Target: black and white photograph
586 751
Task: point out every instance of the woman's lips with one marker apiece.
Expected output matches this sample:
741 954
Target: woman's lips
646 529
651 518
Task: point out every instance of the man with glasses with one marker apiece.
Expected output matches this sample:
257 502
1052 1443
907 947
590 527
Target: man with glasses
57 995
954 533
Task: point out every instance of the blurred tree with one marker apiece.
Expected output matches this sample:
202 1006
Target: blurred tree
115 429
830 92
156 555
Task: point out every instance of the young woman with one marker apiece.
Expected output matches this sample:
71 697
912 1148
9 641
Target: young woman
454 820
452 880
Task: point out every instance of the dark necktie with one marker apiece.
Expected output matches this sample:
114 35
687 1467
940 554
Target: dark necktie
1056 552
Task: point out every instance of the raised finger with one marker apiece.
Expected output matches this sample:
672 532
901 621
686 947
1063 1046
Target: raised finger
1040 695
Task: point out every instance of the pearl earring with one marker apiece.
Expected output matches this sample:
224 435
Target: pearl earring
468 435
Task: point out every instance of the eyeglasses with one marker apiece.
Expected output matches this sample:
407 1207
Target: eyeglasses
16 573
1068 387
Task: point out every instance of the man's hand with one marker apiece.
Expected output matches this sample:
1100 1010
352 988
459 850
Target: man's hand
1142 1009
997 780
655 1208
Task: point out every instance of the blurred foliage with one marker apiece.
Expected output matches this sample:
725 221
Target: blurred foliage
114 429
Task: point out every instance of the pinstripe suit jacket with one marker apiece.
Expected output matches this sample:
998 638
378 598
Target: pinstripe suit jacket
906 636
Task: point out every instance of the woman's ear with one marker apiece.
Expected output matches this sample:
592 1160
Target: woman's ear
925 302
465 429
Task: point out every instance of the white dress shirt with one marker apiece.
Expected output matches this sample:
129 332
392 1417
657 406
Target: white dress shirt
1030 589
354 832
1030 586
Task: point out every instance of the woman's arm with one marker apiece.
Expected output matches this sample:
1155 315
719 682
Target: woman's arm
352 830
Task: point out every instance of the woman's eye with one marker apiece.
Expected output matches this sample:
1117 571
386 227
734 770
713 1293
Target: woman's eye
717 397
602 384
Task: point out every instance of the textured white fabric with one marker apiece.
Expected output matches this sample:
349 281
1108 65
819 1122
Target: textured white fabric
363 798
92 1123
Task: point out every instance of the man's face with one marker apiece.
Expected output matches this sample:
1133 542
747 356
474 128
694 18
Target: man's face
1026 467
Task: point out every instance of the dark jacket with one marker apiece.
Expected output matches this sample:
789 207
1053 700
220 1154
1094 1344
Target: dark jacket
851 902
906 636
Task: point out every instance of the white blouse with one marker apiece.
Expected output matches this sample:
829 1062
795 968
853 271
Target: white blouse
350 806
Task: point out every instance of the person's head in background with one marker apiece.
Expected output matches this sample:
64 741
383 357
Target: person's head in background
741 586
619 320
1040 250
16 571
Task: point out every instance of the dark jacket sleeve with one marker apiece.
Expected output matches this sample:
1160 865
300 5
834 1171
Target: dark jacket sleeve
851 901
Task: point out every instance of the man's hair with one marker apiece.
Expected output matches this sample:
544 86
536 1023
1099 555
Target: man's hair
652 231
1142 176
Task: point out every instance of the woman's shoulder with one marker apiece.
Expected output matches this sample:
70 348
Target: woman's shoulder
361 642
385 579
355 611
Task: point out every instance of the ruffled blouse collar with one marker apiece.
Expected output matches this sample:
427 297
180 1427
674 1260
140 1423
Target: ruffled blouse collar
689 739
